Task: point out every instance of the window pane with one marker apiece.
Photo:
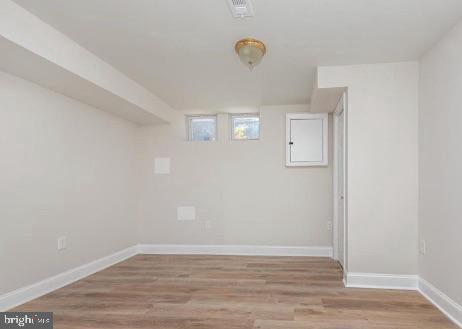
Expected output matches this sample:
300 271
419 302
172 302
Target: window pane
203 129
246 127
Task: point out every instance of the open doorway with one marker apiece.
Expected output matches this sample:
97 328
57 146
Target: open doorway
340 183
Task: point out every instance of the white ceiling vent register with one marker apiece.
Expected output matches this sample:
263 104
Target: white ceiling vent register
241 8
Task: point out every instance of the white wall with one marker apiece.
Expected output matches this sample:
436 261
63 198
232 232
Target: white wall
242 187
382 164
65 169
440 133
68 169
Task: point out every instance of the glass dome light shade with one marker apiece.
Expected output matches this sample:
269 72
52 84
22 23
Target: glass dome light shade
250 51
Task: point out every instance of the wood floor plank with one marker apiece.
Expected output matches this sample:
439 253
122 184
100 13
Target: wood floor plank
231 292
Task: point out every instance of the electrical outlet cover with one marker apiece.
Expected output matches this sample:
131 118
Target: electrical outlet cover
329 225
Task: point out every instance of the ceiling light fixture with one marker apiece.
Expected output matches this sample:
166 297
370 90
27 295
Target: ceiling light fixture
250 51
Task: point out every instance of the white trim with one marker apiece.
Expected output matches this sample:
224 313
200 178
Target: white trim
235 250
444 303
25 294
381 281
335 222
353 280
407 282
35 290
341 108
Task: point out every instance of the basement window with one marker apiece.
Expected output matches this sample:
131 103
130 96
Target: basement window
202 127
245 126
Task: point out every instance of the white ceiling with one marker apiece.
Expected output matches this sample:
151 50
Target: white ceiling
183 50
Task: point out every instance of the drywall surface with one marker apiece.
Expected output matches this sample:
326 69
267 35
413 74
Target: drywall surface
242 191
66 169
27 31
440 165
382 164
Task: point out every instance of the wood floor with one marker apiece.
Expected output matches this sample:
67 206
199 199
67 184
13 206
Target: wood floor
230 292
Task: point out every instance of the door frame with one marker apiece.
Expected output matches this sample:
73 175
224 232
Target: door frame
341 107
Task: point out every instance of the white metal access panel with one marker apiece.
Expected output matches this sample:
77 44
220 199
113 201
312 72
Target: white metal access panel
306 139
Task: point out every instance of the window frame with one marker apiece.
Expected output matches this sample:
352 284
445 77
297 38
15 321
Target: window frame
189 120
243 115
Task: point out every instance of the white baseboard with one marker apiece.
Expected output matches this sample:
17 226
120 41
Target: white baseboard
353 280
407 282
381 281
234 250
445 304
25 294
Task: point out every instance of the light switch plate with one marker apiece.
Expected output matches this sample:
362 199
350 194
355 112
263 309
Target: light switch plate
162 166
186 213
329 225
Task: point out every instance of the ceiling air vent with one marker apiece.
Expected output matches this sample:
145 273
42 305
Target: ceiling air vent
241 8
